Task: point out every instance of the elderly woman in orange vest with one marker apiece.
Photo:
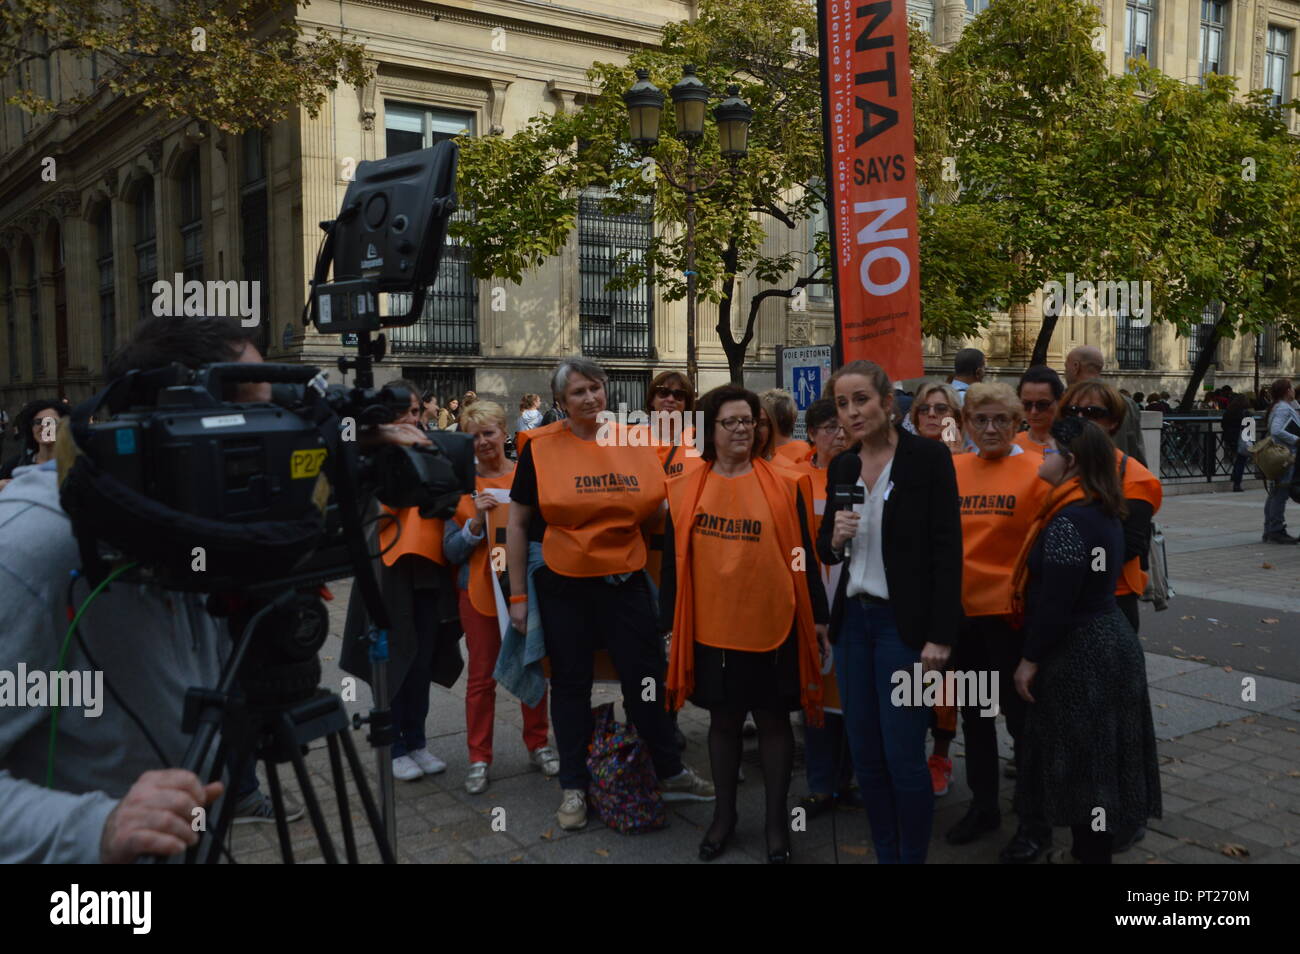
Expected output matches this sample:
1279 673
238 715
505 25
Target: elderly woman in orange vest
1000 495
585 494
742 525
475 541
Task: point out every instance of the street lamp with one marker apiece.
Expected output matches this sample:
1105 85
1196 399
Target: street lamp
690 101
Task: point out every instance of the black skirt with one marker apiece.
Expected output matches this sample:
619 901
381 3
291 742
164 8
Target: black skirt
735 679
1089 741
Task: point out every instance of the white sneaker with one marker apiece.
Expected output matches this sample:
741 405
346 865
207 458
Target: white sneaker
405 769
429 763
546 759
573 810
476 780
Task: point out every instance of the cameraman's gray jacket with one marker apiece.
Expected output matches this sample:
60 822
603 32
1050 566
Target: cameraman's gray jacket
152 645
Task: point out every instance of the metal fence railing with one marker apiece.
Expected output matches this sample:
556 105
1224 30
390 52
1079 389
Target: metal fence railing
1194 447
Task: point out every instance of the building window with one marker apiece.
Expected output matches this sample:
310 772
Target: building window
146 247
1139 17
1204 332
446 383
1214 14
1132 342
191 183
1266 346
627 387
38 343
922 11
976 7
255 229
1277 65
11 319
613 322
449 321
818 222
107 290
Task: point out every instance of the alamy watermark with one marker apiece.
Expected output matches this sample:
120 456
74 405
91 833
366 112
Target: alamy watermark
213 299
77 689
1086 298
965 689
638 428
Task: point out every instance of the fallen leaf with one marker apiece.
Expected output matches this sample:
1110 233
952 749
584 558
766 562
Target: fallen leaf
1294 773
1162 705
1211 619
1269 620
1179 649
517 858
1198 659
1266 566
1227 669
548 833
603 852
1239 644
1260 668
1233 850
854 849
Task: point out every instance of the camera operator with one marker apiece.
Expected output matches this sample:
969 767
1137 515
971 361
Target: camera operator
108 795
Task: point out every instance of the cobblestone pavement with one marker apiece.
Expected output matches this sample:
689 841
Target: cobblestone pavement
1230 768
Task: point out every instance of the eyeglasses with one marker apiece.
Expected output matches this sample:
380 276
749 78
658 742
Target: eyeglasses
826 429
1000 421
1041 406
681 394
1092 412
735 423
939 409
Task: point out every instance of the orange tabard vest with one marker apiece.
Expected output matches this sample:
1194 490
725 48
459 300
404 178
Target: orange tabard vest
1029 445
796 452
421 536
523 437
594 499
733 537
481 596
675 464
1139 484
830 574
999 500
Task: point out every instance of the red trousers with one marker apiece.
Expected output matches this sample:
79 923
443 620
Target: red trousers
483 643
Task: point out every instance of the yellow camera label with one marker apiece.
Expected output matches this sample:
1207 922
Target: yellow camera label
306 463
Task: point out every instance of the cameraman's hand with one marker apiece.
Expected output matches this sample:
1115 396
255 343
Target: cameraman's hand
156 816
407 435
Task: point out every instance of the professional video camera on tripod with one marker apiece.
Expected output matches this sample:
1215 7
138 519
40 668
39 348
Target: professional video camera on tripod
260 504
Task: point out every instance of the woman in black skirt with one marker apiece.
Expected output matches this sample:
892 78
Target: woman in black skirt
743 603
1088 757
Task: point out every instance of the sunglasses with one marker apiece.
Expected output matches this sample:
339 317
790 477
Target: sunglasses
936 408
681 394
1041 406
1092 412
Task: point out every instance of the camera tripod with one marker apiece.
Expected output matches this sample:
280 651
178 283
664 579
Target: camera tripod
268 707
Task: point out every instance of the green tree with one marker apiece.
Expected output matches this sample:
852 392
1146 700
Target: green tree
238 64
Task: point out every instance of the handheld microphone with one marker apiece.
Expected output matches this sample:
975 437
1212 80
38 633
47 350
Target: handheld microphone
849 494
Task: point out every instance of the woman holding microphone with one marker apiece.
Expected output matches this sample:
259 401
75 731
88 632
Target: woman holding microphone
897 603
475 543
575 545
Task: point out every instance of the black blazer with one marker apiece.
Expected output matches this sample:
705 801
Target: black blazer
922 540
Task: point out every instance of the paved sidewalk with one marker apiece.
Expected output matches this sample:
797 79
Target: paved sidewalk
1229 746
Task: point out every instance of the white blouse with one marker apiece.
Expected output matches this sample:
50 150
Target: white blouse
866 556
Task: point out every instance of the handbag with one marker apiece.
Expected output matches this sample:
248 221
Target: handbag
624 790
1272 457
1158 591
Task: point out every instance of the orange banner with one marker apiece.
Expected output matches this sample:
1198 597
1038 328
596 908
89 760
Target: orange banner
871 182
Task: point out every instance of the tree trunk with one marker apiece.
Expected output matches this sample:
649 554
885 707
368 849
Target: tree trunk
1209 350
733 349
1044 339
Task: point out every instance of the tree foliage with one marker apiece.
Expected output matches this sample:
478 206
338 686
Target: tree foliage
238 64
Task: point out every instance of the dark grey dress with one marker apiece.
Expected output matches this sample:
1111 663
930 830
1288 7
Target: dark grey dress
1089 741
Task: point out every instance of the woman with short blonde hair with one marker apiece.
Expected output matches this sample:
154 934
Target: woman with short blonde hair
936 414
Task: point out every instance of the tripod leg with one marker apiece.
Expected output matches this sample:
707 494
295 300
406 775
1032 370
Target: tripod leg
243 759
341 797
277 807
372 811
308 791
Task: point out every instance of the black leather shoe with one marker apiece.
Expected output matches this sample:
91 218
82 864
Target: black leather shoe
975 823
1126 837
778 857
1025 847
1280 536
710 850
815 805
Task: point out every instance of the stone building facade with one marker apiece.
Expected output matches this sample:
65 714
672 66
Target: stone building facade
98 201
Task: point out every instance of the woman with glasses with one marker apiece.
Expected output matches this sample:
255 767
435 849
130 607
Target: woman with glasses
1040 391
670 400
897 601
1000 494
575 550
1088 747
733 526
1100 403
827 763
936 414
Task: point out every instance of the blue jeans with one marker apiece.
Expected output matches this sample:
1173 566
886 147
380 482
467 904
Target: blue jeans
1275 505
887 741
